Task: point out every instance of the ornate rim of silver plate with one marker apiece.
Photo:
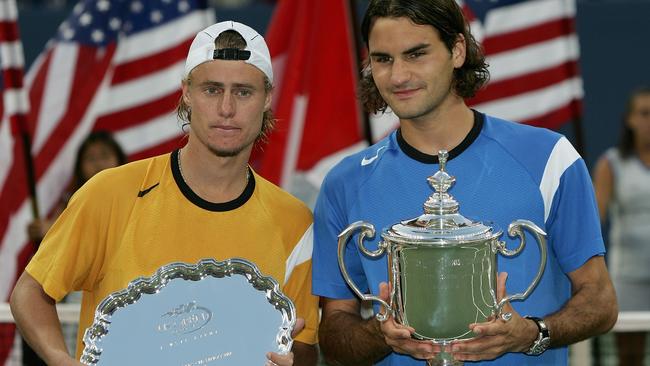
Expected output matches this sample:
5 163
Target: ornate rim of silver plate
192 272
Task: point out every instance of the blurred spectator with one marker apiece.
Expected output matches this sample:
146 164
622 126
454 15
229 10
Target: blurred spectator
622 183
99 151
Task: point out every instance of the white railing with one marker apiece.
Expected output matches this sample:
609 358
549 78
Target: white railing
68 313
580 353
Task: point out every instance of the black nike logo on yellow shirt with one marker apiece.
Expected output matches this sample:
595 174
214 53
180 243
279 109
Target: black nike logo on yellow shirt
142 193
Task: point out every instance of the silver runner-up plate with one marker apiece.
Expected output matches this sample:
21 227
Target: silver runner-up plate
213 313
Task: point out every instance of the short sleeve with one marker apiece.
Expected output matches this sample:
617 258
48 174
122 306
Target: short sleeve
573 225
70 256
329 220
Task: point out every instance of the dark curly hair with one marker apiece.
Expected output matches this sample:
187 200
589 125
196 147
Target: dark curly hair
626 140
446 17
231 39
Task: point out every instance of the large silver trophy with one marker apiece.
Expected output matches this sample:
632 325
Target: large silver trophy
222 313
442 267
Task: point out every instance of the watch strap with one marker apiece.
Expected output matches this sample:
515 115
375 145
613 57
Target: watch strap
543 339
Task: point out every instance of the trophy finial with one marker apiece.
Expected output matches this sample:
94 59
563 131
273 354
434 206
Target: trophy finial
441 201
442 159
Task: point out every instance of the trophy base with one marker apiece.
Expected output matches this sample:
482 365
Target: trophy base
442 362
444 358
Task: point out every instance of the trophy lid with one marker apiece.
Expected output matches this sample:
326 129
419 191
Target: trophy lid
441 224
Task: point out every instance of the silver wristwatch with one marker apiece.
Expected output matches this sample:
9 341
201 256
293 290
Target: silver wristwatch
543 340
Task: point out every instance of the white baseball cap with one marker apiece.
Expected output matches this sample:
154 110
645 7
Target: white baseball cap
203 50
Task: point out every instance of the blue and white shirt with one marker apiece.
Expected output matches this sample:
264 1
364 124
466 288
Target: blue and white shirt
504 171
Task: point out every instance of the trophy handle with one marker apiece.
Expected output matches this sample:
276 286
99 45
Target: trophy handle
366 230
515 229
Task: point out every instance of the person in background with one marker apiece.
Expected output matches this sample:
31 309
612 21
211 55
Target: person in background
97 152
622 184
200 201
423 63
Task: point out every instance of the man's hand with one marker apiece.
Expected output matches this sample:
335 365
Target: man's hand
37 229
66 360
398 336
288 359
497 336
276 359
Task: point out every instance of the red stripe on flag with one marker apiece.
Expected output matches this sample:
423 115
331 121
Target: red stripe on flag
89 73
18 124
14 192
526 83
9 32
6 340
286 37
13 77
469 14
36 93
146 65
528 36
12 195
138 114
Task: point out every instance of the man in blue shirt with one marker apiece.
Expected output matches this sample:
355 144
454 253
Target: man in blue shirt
423 62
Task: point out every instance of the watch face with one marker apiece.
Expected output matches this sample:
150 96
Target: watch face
540 346
545 343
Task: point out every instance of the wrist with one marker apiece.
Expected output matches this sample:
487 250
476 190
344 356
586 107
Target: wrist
375 324
59 357
542 340
531 333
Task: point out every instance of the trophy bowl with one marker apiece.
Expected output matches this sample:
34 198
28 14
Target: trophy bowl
442 267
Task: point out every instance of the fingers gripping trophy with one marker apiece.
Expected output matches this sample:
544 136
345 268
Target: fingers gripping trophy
442 268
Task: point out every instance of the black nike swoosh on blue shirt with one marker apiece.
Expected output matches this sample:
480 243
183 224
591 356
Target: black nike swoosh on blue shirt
142 193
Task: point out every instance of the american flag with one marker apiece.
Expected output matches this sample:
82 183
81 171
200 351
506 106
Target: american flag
13 178
533 52
112 65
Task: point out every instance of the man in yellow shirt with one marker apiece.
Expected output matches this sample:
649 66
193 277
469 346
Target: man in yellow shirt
201 201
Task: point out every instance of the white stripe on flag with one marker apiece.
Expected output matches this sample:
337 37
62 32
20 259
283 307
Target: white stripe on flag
158 39
294 141
12 243
537 102
536 57
9 11
526 14
56 94
149 134
138 91
11 55
316 174
15 102
6 149
52 184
